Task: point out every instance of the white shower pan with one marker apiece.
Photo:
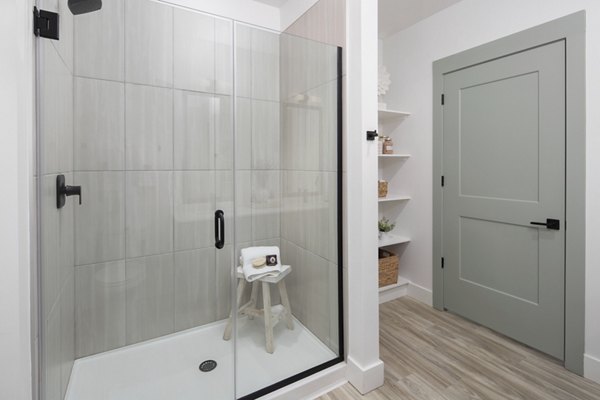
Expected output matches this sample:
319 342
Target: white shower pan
168 367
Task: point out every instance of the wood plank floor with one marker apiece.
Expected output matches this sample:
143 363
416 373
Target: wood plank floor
433 355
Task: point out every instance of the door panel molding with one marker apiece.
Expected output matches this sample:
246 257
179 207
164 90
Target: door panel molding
571 29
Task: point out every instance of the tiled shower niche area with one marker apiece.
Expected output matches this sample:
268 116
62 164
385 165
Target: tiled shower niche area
165 117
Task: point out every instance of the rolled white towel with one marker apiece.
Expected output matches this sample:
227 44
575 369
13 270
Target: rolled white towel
249 254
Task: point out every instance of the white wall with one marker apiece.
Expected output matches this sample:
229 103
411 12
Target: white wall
16 123
409 55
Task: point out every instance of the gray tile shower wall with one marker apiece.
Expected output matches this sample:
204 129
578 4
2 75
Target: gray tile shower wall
149 43
100 125
100 312
101 56
149 128
100 219
154 154
152 117
324 22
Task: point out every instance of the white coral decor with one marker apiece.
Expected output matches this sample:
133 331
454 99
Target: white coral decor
384 82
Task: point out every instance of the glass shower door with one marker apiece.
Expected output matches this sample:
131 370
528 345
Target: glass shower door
288 204
136 272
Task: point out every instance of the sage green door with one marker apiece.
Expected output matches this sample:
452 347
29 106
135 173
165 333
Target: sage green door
504 167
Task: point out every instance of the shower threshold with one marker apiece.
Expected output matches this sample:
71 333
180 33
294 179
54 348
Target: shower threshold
167 367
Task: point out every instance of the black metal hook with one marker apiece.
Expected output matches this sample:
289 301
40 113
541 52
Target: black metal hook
371 135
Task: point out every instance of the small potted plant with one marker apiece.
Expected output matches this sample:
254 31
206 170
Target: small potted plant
385 226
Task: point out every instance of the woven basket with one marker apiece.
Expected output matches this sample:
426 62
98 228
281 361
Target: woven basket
383 188
388 268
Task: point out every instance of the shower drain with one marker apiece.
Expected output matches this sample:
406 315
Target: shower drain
208 365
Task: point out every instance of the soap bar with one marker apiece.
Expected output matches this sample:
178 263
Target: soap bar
259 262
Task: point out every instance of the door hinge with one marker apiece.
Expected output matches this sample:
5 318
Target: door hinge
442 262
45 24
442 99
443 180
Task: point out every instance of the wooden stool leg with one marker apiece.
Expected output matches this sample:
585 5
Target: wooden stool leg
240 293
253 298
268 319
286 304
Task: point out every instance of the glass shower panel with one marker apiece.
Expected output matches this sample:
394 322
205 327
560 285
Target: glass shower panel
148 197
136 109
56 311
287 202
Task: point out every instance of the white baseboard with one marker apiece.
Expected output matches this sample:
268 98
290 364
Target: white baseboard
365 379
406 288
394 292
420 293
591 367
313 386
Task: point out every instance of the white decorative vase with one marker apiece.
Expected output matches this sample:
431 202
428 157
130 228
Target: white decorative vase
383 86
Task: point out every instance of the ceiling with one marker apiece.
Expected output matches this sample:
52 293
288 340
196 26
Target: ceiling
396 15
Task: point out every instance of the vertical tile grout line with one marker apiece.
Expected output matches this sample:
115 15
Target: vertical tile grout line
172 173
233 267
212 104
125 173
252 103
280 136
73 221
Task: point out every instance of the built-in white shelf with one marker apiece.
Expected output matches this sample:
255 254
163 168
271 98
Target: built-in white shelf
392 197
385 114
391 239
389 119
401 282
394 155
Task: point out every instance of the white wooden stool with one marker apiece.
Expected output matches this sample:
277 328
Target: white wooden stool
266 312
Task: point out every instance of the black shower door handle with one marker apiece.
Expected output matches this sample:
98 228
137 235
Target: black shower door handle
219 229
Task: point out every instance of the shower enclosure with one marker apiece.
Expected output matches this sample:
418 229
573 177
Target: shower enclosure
168 140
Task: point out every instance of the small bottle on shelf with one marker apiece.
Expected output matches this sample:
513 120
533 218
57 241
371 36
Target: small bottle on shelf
388 145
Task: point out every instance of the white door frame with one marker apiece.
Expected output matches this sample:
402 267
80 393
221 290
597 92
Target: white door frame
571 29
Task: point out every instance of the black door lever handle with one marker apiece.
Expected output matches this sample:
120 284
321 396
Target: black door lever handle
550 223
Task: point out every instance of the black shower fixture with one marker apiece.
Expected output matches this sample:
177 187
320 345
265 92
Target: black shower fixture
84 6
